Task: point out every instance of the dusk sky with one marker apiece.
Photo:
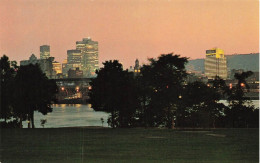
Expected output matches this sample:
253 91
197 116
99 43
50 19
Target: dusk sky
129 29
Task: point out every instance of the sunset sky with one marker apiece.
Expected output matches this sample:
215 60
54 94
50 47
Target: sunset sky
129 29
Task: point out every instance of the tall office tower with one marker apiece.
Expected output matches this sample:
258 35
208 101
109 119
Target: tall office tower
44 52
215 63
89 51
74 58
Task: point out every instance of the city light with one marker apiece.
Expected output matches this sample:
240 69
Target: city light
230 85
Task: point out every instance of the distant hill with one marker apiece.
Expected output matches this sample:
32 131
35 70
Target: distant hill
243 61
235 61
196 65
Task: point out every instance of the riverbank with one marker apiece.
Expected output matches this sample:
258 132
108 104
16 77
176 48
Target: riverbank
97 144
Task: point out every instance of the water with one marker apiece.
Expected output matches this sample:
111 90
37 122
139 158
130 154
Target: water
70 115
254 102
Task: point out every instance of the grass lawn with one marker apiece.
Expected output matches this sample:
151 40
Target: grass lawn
129 145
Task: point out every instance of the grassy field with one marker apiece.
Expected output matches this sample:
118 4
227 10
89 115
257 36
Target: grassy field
129 145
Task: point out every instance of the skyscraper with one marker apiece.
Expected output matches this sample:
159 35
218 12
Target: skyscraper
89 52
44 52
215 63
74 58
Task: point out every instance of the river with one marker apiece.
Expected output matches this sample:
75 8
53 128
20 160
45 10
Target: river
254 102
70 115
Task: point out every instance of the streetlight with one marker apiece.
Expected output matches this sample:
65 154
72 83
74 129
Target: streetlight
77 88
63 89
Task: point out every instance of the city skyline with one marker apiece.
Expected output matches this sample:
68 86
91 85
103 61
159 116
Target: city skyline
127 30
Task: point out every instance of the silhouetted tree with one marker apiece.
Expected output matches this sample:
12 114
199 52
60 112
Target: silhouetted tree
162 82
200 107
238 92
220 86
33 92
113 91
241 111
7 74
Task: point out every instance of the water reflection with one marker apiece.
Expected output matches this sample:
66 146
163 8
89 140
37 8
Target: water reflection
253 102
69 115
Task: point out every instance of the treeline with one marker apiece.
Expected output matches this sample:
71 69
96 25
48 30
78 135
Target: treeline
159 96
23 90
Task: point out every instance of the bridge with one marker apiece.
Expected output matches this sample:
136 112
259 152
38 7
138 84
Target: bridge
73 89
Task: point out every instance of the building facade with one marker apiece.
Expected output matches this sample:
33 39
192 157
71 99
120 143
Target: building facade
45 65
74 59
44 52
65 68
215 64
57 68
77 73
89 54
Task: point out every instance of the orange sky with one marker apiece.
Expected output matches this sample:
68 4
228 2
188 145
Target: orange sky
129 29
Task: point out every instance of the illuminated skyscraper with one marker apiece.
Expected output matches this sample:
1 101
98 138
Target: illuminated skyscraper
74 58
44 52
215 63
89 51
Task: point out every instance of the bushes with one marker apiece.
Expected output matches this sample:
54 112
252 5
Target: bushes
10 124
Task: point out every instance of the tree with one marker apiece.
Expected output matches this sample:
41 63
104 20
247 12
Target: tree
161 86
200 106
241 111
237 92
7 74
220 86
113 92
33 92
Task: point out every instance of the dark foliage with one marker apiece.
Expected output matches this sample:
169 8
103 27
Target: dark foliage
159 97
113 91
7 74
33 92
240 112
11 124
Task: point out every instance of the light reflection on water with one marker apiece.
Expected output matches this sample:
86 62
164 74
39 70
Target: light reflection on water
254 102
69 115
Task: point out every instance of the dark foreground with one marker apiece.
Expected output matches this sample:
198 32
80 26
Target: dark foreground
129 145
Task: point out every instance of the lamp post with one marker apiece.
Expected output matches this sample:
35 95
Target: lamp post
63 89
